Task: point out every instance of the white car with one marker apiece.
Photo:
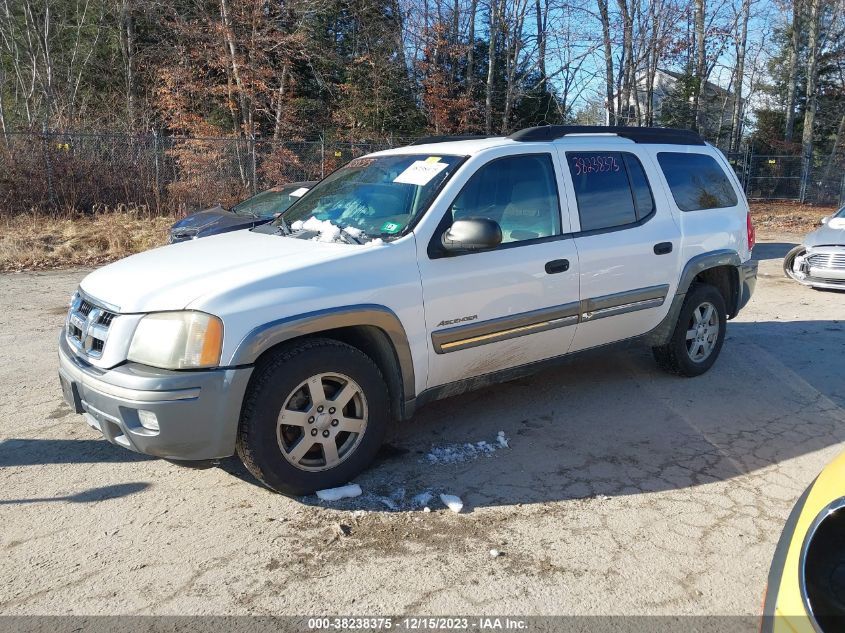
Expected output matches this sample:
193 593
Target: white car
406 276
820 261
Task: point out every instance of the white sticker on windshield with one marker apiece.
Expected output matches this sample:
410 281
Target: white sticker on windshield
420 173
299 192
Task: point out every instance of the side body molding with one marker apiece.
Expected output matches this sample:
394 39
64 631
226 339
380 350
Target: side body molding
263 337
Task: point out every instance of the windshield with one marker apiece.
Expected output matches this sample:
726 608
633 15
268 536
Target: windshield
268 203
841 213
371 197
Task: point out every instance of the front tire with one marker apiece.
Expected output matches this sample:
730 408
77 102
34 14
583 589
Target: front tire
698 336
789 262
313 418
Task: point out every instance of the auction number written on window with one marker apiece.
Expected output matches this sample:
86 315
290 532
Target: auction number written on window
594 164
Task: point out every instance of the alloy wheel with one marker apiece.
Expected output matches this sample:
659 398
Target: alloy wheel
702 332
322 422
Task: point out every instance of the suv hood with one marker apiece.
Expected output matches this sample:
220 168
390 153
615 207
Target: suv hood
171 277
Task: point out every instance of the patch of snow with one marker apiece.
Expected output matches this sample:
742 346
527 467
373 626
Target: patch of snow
456 453
495 553
375 242
390 503
297 226
343 492
353 231
426 509
452 502
422 499
328 232
502 440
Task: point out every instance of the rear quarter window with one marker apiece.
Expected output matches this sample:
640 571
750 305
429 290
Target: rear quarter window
697 181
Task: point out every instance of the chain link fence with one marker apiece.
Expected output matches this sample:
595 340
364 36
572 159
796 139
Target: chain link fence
788 177
57 171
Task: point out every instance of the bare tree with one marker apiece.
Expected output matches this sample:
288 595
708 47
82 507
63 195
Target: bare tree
495 12
814 19
699 9
626 78
541 10
512 27
741 44
604 14
792 73
473 7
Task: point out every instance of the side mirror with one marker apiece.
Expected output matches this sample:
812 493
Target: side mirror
824 220
474 234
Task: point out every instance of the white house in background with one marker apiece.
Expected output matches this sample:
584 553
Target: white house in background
718 103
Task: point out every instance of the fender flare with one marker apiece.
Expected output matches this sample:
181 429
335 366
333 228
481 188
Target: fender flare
696 265
261 338
700 263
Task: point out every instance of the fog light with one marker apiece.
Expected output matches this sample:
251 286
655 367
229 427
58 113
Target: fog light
148 420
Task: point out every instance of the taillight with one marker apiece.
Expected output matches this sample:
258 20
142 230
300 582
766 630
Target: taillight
750 227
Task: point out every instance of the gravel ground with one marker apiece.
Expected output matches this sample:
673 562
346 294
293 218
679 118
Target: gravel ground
623 490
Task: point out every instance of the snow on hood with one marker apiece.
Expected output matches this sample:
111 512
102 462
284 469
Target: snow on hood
329 232
171 277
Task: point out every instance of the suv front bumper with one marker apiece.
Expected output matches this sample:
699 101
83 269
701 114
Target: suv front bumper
197 411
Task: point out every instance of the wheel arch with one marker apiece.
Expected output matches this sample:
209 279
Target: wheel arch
717 268
373 329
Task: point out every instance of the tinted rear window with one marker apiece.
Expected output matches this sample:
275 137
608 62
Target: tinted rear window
611 189
696 181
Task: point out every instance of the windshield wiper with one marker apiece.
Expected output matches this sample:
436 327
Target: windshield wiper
348 237
284 229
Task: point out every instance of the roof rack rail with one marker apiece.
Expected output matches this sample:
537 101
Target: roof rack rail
446 138
648 135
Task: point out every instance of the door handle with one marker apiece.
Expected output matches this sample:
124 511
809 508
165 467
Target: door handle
557 266
663 248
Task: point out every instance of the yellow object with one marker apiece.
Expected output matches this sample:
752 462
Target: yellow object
784 599
432 159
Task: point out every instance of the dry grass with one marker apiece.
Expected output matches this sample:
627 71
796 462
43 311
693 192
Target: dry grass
37 242
787 217
40 242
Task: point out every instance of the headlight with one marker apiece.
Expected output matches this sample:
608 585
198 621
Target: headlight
177 340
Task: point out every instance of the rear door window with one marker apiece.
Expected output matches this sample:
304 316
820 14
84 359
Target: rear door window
697 181
611 189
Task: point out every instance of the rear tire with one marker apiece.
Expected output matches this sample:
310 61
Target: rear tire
314 417
698 336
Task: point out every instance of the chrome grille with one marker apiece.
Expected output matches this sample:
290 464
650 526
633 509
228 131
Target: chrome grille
87 326
834 261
